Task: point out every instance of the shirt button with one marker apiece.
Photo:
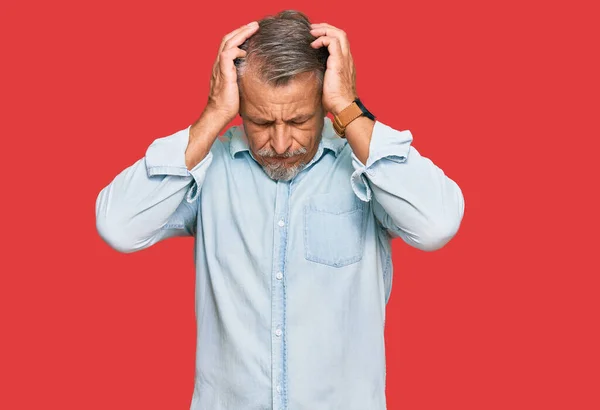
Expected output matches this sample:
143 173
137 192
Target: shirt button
278 388
278 332
279 275
281 223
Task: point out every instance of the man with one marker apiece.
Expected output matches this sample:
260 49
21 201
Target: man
292 222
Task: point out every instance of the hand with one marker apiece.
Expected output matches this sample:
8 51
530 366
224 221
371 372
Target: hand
224 98
339 83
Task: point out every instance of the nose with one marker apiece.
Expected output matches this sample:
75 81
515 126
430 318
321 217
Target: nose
281 139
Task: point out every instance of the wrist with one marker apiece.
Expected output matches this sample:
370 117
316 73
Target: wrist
215 116
341 106
202 135
208 125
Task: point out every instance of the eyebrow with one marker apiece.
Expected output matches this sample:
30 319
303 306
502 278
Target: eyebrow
299 117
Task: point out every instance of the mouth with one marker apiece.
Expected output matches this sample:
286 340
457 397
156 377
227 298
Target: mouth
281 160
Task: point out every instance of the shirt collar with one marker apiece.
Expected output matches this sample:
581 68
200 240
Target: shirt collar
329 141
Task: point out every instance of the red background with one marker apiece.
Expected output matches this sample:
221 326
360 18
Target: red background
503 97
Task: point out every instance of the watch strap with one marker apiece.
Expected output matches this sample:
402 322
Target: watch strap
345 117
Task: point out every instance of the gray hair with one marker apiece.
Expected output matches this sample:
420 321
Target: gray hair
281 50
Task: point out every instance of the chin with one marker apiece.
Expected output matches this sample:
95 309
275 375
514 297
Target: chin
281 172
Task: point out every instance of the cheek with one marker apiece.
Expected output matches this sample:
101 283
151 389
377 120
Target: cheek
257 138
305 137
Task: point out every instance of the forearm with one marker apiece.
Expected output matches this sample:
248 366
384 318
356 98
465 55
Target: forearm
418 202
203 133
154 198
358 133
413 198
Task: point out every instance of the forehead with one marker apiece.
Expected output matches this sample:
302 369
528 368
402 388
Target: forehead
301 95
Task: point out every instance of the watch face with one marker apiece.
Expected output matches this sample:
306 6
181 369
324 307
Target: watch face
366 112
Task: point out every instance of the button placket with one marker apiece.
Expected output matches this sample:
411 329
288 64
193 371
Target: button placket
278 346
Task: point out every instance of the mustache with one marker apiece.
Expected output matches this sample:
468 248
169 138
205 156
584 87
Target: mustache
265 152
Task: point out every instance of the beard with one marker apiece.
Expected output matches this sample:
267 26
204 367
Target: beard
279 171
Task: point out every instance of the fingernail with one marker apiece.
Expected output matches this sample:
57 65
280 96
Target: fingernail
254 23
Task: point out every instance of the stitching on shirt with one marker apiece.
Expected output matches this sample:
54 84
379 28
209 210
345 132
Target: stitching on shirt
310 253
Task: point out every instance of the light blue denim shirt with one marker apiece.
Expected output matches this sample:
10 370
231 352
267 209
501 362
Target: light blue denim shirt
292 278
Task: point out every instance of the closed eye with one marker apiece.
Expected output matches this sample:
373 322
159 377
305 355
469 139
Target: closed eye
266 124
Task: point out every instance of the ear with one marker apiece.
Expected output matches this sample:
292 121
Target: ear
241 98
240 106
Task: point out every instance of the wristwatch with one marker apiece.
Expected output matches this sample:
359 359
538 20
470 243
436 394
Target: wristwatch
349 114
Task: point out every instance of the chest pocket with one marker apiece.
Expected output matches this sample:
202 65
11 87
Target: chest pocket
334 229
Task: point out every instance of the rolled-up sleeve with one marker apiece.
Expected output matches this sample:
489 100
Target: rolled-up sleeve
412 197
166 156
153 199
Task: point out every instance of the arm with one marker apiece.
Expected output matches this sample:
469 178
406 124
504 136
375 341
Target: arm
155 198
413 198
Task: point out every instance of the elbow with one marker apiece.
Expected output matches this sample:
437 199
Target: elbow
112 233
437 236
438 233
111 228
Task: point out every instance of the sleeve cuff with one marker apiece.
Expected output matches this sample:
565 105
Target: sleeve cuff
166 156
387 143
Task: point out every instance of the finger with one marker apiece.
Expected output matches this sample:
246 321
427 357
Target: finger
247 30
226 64
321 25
239 29
233 53
240 37
333 32
229 35
332 44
